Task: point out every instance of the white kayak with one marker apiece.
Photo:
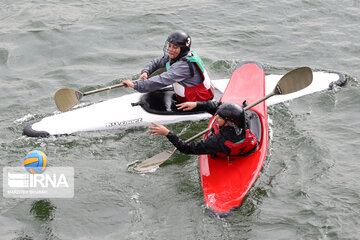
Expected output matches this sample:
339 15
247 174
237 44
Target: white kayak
139 109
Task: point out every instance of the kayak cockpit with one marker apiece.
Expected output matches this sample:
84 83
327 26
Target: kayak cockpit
163 102
254 125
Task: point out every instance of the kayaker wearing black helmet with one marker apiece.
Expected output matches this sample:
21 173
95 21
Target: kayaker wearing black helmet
229 136
184 70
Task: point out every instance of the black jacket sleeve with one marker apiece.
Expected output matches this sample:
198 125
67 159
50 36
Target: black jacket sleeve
211 145
208 106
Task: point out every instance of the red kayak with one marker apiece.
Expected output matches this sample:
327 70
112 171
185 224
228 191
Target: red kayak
225 182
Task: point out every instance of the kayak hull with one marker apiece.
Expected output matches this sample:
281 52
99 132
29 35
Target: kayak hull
226 182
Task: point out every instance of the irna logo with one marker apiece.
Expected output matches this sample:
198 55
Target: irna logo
33 182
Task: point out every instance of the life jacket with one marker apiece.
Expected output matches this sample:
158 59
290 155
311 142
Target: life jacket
201 92
240 148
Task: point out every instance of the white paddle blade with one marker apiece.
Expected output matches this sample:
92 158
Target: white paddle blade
294 80
155 161
66 98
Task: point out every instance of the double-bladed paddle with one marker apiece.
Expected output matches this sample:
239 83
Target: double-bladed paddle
67 98
292 81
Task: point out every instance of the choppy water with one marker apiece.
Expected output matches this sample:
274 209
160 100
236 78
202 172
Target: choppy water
309 185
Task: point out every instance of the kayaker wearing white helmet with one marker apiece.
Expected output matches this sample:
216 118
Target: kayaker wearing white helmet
229 136
184 70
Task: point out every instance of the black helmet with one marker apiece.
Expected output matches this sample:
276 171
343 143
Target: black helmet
181 39
233 113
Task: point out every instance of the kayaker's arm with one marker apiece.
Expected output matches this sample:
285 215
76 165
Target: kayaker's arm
179 72
209 106
213 144
155 64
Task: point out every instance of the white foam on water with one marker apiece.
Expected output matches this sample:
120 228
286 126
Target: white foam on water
23 119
